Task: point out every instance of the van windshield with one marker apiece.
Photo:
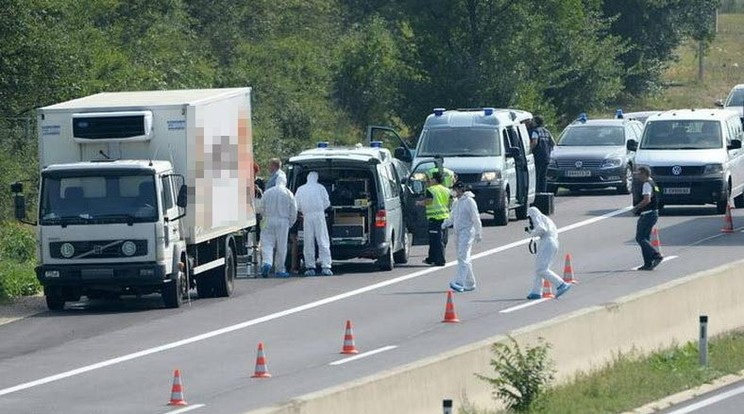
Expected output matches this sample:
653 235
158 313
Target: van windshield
736 98
681 135
97 199
460 142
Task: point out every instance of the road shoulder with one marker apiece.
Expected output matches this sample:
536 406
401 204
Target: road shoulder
21 308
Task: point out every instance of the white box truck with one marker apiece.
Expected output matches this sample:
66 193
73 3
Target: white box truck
144 192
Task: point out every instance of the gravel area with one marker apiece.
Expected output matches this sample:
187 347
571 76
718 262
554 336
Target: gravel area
21 308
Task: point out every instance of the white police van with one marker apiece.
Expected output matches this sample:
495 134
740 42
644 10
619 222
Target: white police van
489 150
695 156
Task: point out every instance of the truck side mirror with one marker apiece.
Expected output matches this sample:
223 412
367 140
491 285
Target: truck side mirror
16 187
631 145
182 201
20 206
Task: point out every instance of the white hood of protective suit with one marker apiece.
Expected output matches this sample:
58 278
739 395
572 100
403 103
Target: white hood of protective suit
542 225
279 202
464 215
312 197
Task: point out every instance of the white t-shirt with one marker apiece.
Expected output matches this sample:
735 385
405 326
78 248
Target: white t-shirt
647 190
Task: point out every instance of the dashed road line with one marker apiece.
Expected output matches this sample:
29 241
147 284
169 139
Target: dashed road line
363 355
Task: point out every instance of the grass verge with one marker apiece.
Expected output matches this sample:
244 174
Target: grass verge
630 381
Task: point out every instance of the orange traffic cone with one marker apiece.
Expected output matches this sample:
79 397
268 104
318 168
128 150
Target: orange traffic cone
349 347
655 241
568 273
449 311
728 221
177 390
547 289
261 370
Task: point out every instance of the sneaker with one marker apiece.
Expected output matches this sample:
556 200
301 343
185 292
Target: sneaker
282 274
265 269
645 267
440 264
309 272
326 272
563 288
533 296
655 262
456 287
428 261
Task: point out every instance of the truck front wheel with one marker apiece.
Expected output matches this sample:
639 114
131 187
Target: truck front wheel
174 291
55 299
225 283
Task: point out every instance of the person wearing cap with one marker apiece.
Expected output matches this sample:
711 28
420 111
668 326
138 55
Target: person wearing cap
465 220
279 214
437 201
541 145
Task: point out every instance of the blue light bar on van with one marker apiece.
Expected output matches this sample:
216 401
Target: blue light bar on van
376 144
438 111
487 111
323 144
619 113
582 117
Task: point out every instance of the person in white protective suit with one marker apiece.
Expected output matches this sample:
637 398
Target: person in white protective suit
465 220
312 201
279 211
542 226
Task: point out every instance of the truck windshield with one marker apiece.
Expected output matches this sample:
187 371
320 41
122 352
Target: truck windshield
592 135
460 142
104 198
682 135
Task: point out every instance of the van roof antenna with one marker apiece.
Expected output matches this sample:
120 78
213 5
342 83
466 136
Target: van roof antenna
104 154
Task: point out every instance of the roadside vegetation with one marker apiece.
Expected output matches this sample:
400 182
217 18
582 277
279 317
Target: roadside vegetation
623 384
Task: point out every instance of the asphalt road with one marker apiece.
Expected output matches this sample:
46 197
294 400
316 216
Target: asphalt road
726 400
119 357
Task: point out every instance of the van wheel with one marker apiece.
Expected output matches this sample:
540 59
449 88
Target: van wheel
386 261
55 300
627 182
174 291
401 256
225 283
501 215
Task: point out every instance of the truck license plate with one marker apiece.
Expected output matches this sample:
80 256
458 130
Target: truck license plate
578 173
676 190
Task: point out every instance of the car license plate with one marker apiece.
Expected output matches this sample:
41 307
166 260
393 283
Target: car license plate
677 190
578 173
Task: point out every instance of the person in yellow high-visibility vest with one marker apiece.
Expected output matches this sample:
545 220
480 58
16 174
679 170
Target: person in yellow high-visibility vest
448 176
437 202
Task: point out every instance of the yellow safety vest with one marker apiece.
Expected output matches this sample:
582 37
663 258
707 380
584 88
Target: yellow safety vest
438 207
448 176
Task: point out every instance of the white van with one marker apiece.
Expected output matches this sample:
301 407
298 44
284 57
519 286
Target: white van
695 156
489 150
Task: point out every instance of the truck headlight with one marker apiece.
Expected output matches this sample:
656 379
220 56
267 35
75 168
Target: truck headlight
490 176
713 169
128 248
67 250
611 163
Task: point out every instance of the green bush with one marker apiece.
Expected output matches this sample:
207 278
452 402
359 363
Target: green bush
522 375
17 243
17 261
17 279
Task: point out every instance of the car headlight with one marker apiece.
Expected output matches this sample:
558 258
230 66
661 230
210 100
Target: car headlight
611 163
713 169
67 250
490 176
128 248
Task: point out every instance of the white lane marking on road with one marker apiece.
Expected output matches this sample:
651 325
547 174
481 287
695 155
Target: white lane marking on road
709 401
186 409
666 259
363 355
281 314
524 305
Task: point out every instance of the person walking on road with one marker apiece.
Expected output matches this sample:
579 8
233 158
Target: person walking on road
542 226
437 201
279 214
648 214
541 145
275 169
465 220
312 201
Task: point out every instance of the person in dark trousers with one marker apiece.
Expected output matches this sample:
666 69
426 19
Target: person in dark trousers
437 203
541 145
647 210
